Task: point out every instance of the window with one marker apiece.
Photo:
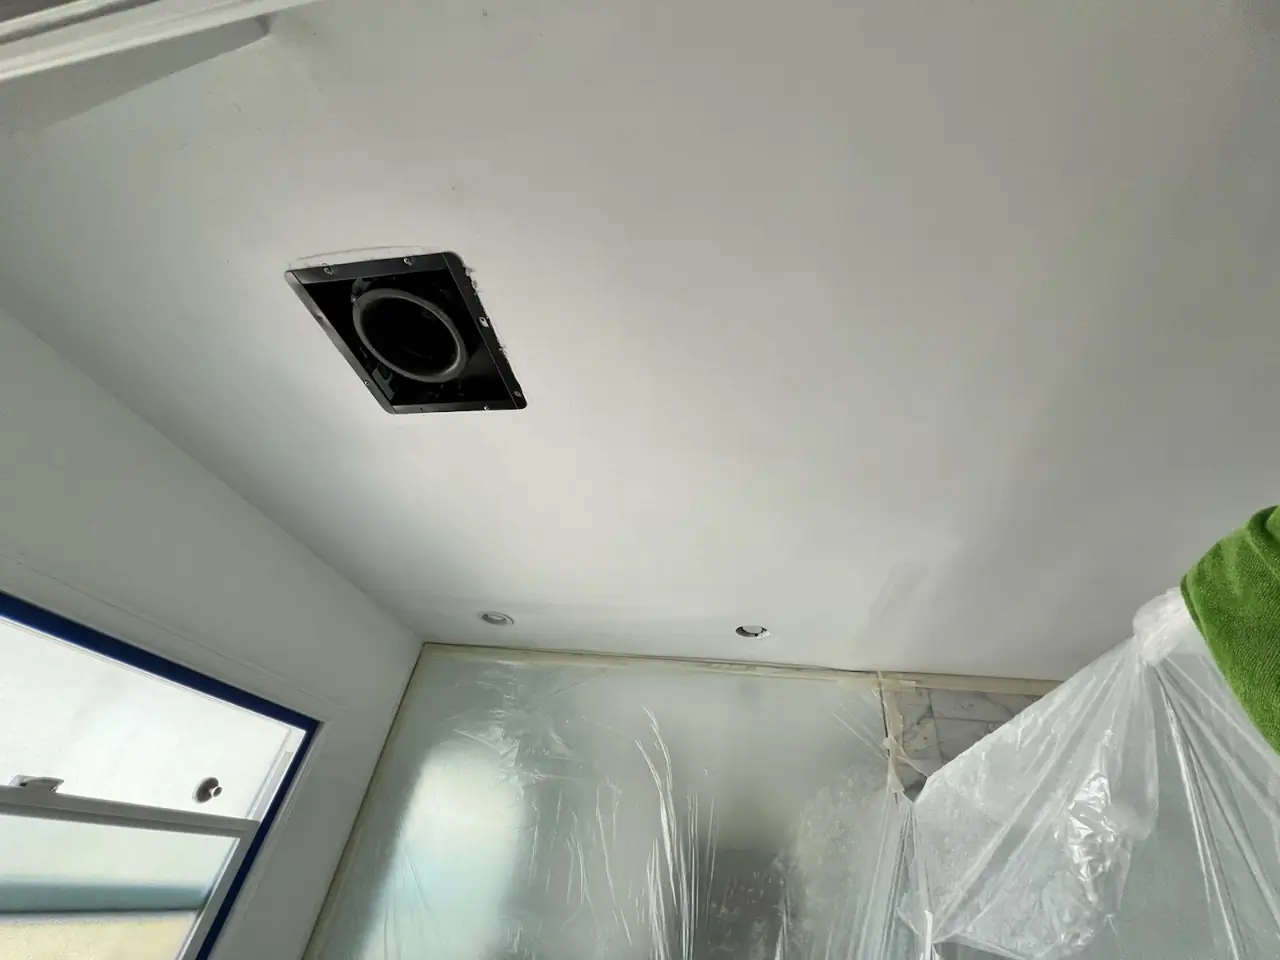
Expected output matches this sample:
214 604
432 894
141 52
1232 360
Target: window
134 794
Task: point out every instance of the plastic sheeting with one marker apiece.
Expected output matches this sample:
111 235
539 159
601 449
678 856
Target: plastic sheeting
1132 813
528 808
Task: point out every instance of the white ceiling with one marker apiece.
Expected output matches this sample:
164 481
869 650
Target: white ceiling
933 336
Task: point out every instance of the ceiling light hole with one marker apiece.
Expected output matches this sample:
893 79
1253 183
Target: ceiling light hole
496 619
207 789
752 631
412 336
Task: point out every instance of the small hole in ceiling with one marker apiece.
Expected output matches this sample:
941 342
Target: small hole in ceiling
496 619
752 631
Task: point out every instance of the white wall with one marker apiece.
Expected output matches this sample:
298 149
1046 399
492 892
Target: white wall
105 521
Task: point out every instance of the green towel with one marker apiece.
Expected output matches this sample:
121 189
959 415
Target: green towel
1233 594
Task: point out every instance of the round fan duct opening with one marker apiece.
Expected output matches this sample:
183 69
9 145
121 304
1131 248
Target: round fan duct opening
411 335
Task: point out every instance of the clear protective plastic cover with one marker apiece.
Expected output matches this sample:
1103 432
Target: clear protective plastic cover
1132 813
564 809
528 808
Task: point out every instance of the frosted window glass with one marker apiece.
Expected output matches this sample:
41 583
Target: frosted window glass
60 866
109 936
113 732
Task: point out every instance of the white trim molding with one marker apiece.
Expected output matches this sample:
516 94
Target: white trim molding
85 29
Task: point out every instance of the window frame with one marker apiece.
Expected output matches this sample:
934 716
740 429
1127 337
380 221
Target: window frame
251 834
47 805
